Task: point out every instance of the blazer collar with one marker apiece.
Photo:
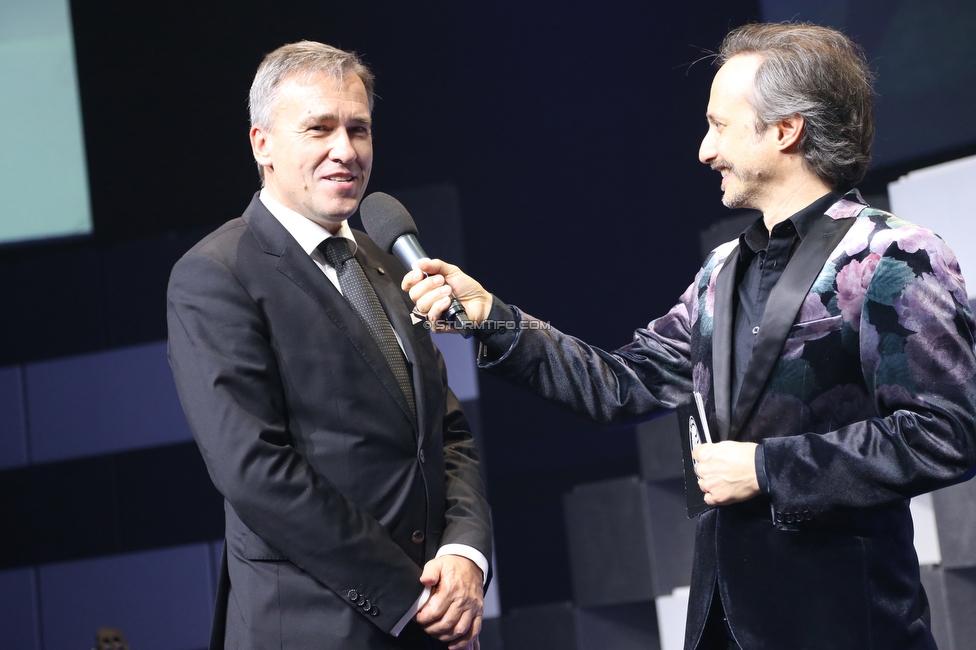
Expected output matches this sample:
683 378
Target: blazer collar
722 343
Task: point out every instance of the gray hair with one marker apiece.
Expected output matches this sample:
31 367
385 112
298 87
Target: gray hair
817 73
304 58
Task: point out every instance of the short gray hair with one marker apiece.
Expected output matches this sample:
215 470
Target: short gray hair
817 73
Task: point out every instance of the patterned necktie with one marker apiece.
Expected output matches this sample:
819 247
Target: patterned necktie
360 294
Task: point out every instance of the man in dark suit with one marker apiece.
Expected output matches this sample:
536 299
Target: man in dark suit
355 512
832 346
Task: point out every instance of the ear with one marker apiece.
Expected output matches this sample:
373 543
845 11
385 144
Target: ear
788 132
261 146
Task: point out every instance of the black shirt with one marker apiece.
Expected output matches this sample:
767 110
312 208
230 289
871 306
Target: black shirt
763 257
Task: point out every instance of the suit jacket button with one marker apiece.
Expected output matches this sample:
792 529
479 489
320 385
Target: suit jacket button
353 594
423 459
367 606
779 517
361 600
788 518
375 611
417 537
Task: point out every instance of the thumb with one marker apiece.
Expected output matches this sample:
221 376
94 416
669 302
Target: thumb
432 574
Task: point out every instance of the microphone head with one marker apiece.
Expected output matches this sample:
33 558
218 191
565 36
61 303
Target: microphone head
386 220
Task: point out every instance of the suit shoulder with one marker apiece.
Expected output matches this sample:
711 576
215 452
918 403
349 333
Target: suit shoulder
880 233
716 259
223 238
219 251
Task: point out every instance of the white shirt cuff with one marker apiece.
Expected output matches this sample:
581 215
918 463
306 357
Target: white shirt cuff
411 613
469 552
463 550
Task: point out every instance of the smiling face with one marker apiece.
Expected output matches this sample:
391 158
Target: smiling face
747 160
318 155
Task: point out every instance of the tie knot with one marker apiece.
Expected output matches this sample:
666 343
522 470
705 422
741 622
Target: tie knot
336 250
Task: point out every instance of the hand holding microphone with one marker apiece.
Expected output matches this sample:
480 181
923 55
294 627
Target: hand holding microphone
436 289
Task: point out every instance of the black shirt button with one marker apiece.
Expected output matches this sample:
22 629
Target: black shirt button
417 537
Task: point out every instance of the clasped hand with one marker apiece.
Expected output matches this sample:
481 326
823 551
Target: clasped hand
453 612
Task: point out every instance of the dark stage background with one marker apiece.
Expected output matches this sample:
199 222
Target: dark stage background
570 130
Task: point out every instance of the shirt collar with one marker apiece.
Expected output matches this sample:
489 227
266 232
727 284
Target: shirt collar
306 232
756 237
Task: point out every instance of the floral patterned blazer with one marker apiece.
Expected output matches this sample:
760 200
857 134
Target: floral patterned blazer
862 393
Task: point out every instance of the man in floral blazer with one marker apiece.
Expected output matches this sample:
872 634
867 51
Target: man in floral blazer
832 345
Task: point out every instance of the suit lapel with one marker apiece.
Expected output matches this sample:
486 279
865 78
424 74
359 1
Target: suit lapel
784 304
722 343
398 312
295 264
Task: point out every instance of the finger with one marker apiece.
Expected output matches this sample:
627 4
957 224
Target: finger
460 630
425 286
412 278
429 306
431 574
442 627
435 313
432 613
435 266
470 638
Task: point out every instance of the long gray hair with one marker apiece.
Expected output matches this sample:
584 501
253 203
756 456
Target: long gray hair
817 73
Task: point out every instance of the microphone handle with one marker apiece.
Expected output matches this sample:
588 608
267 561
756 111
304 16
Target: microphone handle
407 249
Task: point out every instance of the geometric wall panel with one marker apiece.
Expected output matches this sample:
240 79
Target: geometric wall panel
18 610
13 431
955 515
103 403
659 445
629 541
160 600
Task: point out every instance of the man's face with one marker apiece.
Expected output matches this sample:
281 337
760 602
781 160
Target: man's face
318 155
732 146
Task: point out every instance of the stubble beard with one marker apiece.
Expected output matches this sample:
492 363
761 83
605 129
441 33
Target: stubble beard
746 195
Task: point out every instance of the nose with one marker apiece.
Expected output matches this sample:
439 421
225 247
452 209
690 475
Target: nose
342 148
707 152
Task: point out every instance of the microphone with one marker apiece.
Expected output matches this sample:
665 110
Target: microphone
393 230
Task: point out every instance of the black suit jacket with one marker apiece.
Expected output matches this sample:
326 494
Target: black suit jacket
335 498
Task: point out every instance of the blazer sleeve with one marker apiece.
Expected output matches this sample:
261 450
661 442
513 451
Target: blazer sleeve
230 387
466 517
914 335
652 372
